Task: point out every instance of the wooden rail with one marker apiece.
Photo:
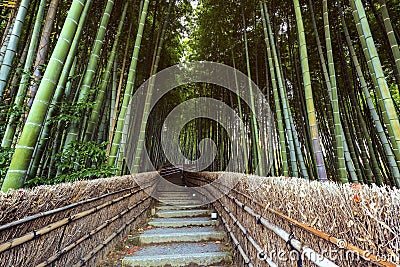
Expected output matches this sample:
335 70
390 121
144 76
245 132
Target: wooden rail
61 209
77 242
298 245
53 226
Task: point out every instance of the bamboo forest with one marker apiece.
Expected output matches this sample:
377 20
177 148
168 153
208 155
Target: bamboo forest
199 133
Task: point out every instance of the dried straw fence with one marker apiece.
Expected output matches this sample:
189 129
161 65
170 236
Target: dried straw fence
295 222
70 224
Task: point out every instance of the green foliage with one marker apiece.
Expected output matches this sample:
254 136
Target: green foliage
6 111
5 159
394 90
69 112
80 155
84 174
80 161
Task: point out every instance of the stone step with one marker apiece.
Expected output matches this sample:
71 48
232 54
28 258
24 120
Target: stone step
185 234
182 254
182 222
188 207
174 192
181 191
178 201
183 213
178 197
181 202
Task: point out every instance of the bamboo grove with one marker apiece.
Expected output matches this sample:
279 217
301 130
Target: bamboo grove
330 71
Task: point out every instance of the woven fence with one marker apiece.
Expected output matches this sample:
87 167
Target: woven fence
72 224
295 222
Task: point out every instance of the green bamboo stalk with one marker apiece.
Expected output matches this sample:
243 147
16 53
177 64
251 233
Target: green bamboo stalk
347 156
114 89
43 49
352 148
389 111
254 125
23 85
320 165
129 87
359 120
299 154
334 99
391 36
283 96
6 41
89 76
105 79
119 89
278 110
242 132
68 71
375 117
16 174
101 129
12 46
149 93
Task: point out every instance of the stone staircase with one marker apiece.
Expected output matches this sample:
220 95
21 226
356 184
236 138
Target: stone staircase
181 233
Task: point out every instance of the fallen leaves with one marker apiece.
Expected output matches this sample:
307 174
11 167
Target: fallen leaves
132 250
356 198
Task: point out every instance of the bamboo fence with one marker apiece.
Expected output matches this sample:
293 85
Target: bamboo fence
284 221
72 224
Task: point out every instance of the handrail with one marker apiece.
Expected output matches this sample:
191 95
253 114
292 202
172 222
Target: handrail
50 227
91 233
342 244
237 244
260 251
54 211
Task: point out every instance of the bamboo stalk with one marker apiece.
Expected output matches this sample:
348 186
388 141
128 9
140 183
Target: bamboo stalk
20 162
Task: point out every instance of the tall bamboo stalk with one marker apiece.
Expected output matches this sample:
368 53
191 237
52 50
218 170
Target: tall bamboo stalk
308 94
12 46
68 71
105 79
375 117
90 72
278 110
43 49
334 99
283 95
391 36
23 85
389 110
257 159
129 87
22 156
149 93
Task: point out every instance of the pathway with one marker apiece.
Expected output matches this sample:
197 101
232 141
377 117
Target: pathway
182 232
